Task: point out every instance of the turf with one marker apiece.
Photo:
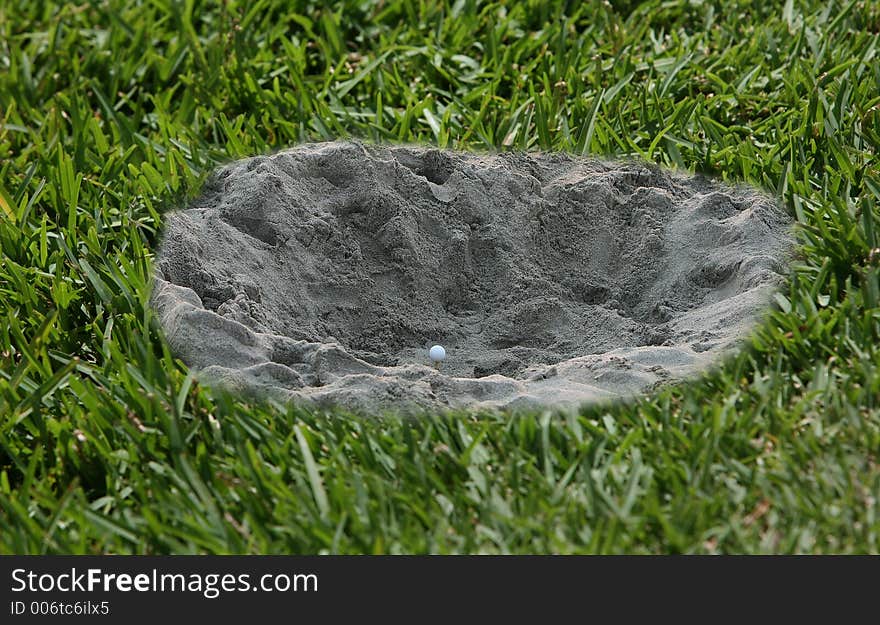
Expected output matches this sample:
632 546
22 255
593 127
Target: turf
112 112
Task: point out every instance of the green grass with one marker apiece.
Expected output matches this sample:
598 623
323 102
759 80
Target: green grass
112 112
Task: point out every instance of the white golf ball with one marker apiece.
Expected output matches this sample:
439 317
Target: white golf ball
437 353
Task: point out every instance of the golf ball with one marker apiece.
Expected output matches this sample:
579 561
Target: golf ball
437 353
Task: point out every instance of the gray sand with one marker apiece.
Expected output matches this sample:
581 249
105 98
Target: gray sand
323 273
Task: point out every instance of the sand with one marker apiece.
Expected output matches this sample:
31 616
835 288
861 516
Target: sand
322 274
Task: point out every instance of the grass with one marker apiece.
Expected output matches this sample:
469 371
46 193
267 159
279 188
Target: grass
112 112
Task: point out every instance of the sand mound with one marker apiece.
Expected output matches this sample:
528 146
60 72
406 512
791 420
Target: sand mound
324 273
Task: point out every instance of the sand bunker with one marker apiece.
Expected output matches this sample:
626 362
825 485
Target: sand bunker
323 274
